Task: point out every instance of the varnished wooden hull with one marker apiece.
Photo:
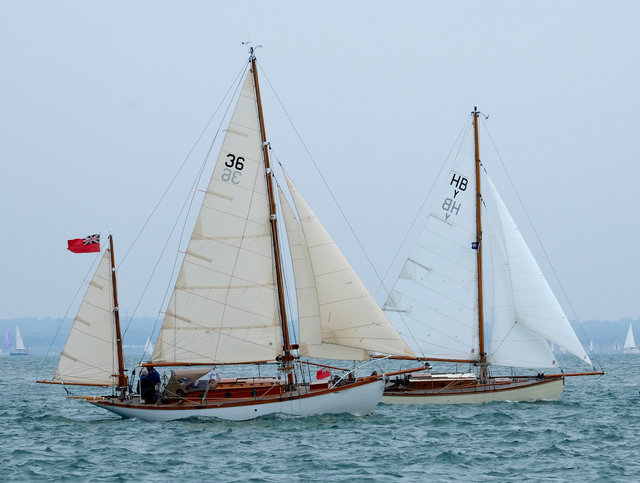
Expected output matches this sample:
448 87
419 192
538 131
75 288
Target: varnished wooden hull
469 391
228 402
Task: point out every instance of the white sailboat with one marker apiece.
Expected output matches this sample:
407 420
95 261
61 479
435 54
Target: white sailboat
148 347
19 349
228 304
437 303
630 343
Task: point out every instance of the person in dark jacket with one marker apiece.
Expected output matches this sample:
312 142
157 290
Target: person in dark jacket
149 379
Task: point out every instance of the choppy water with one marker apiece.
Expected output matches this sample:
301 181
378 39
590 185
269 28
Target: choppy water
591 434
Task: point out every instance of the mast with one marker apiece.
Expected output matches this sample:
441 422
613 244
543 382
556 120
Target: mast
122 378
483 355
287 356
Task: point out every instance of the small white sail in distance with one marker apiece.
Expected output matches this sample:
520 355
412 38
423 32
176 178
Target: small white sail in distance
629 342
19 341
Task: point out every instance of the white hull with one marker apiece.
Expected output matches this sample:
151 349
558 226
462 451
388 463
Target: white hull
359 401
550 390
631 350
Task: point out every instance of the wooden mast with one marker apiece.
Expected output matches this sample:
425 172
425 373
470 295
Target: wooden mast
122 378
287 357
484 373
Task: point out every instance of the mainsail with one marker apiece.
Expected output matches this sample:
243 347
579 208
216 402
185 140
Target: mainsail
224 305
19 341
434 303
90 353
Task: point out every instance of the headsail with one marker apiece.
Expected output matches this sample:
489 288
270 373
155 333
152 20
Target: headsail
224 304
90 354
338 317
512 344
535 305
434 303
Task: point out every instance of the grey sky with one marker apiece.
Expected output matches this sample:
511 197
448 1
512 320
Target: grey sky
101 102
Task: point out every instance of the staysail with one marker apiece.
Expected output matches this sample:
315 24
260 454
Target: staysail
224 305
337 316
434 303
90 353
534 303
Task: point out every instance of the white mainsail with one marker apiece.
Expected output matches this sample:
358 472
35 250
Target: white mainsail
19 341
434 303
337 316
535 305
629 342
224 304
90 353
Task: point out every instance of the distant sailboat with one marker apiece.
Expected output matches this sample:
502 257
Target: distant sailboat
228 304
630 343
148 348
437 303
591 347
19 349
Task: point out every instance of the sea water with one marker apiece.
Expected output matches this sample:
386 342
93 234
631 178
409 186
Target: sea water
590 434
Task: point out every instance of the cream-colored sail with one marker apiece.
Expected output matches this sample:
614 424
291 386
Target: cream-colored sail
306 294
335 308
224 304
90 354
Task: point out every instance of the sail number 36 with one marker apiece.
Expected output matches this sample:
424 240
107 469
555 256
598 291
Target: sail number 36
233 166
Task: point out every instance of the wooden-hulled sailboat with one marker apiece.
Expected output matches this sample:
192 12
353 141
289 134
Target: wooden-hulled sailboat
437 303
228 304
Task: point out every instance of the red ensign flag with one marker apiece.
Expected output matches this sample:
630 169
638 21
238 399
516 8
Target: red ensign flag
322 374
88 244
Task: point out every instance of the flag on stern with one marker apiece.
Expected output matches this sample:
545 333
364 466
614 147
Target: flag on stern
88 244
322 374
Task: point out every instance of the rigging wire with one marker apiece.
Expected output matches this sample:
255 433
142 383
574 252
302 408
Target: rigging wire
190 199
324 181
192 190
195 144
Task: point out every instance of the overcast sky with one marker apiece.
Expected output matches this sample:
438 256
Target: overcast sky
100 102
